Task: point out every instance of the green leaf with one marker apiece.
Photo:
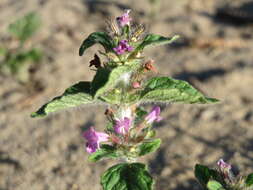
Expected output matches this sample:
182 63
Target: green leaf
114 96
214 185
100 79
249 180
140 113
148 147
96 37
202 173
105 151
106 81
165 89
25 27
126 176
154 39
215 175
75 95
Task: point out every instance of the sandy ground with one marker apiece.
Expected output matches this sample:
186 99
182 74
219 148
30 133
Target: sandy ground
48 153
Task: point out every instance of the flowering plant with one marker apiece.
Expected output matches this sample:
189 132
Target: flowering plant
123 83
222 178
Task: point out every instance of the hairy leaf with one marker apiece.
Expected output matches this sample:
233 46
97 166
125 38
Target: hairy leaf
165 89
105 151
75 95
140 113
106 80
202 173
127 176
154 39
214 185
249 180
148 147
96 37
100 79
115 97
25 27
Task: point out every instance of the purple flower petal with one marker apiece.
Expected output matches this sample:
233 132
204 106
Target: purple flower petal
91 147
226 170
130 48
122 126
123 47
93 139
154 115
102 137
124 19
223 165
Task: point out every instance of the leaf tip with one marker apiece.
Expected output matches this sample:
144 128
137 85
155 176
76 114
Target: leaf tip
37 114
80 51
212 100
33 115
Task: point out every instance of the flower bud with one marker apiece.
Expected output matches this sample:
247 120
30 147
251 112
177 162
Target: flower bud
124 19
223 165
109 112
225 170
136 85
149 66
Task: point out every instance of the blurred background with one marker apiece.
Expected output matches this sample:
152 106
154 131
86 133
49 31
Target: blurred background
39 42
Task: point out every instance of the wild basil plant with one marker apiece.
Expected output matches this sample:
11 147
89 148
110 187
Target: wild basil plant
222 178
123 83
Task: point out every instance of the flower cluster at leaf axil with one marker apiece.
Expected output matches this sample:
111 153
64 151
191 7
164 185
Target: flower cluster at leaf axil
126 130
222 178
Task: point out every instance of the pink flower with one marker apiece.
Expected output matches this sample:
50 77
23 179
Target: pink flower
93 139
122 126
223 165
154 115
123 47
225 170
124 19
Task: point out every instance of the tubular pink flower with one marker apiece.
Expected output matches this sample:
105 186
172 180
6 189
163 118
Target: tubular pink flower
123 47
93 139
122 126
125 19
226 170
223 165
154 115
